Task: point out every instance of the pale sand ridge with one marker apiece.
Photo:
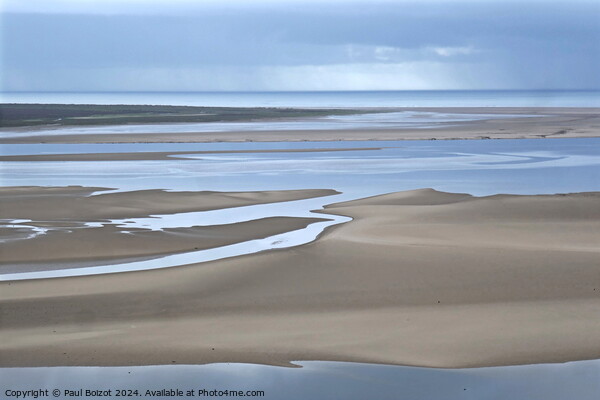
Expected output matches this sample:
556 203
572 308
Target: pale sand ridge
160 155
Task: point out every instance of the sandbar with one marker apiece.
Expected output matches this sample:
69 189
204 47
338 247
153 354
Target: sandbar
71 241
162 155
417 278
512 123
80 203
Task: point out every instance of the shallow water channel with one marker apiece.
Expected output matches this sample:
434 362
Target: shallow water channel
481 168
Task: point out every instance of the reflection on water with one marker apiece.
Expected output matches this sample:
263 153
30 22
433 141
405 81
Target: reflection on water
404 119
476 167
281 241
321 380
479 167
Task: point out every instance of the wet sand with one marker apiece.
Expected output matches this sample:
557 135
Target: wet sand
417 278
66 212
75 246
77 204
535 123
160 155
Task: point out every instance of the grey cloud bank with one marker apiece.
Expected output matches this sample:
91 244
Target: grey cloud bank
310 45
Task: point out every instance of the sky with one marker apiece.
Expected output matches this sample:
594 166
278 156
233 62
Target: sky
210 45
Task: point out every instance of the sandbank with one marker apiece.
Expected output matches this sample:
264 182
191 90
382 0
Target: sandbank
417 278
76 203
70 241
535 122
160 155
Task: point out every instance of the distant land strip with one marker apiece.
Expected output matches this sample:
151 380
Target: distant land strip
22 115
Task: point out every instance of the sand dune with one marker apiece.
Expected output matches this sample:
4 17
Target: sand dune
417 278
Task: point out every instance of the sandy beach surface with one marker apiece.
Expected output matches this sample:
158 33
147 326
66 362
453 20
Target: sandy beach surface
74 203
161 155
66 212
536 122
417 278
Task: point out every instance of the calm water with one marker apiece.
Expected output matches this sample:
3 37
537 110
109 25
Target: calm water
477 167
429 98
404 119
325 381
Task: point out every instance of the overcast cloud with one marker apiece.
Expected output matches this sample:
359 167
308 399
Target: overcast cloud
299 45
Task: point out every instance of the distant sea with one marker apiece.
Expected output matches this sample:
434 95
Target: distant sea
425 98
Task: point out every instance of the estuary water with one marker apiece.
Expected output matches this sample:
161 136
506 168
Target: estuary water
383 120
317 380
484 167
479 167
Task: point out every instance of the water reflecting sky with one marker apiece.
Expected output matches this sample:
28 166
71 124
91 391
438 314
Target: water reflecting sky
404 119
325 380
479 167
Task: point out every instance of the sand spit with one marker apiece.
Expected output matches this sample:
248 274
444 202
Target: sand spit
160 155
418 278
76 246
77 228
74 203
